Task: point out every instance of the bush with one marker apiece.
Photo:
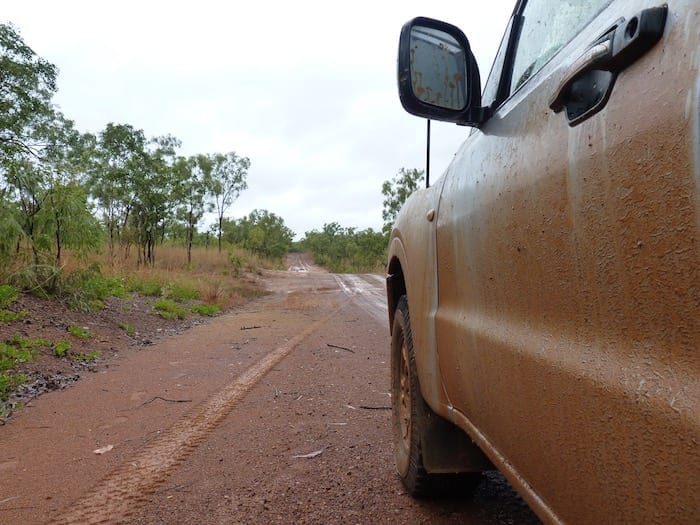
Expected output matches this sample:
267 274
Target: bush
87 288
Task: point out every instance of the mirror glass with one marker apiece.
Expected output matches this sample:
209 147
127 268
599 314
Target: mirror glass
438 68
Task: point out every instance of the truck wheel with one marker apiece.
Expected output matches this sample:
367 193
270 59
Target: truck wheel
411 417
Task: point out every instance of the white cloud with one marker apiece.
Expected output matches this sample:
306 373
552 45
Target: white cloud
306 90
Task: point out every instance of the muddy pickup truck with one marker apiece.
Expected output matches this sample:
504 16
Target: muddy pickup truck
544 292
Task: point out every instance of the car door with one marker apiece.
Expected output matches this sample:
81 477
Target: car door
568 252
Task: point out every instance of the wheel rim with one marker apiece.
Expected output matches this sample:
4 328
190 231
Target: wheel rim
404 398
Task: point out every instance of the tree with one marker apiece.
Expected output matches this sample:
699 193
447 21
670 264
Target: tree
119 159
228 180
66 215
27 84
266 234
346 249
191 176
50 199
396 191
154 195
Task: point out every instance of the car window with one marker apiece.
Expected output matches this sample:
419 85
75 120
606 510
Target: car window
546 27
490 94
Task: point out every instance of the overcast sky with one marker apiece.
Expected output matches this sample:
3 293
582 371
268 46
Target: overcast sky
306 90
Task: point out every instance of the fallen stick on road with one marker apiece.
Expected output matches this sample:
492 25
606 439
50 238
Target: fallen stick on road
250 327
365 407
341 347
168 400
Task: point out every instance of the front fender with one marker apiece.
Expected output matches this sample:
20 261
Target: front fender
412 271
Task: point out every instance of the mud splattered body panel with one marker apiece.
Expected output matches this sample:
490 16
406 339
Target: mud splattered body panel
565 333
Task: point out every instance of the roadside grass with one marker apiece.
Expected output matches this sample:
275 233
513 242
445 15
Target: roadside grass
62 348
168 309
212 278
213 281
130 330
205 310
13 353
8 295
79 332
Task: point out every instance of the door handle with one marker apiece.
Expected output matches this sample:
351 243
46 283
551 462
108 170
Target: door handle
586 88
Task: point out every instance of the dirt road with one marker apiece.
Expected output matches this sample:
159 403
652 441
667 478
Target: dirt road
275 413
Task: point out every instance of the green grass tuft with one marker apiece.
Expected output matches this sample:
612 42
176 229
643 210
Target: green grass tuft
205 309
167 309
79 332
89 357
130 331
8 295
62 348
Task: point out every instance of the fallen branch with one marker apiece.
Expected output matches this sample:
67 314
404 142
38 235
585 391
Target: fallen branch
341 348
166 400
365 407
250 327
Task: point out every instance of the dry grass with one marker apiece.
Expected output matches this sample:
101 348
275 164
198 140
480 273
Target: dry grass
222 278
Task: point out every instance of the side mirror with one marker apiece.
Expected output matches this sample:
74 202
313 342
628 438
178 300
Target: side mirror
438 76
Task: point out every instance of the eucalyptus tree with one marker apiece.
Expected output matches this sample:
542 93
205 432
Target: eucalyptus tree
266 234
51 201
228 180
119 160
66 215
27 84
191 176
396 191
41 200
154 195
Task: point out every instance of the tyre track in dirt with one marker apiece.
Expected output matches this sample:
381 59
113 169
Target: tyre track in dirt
115 498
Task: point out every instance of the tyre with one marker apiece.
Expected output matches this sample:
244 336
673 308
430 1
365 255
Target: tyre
411 418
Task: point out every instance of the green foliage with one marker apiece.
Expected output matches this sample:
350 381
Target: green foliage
79 332
8 295
7 316
86 289
27 85
18 350
62 348
204 309
261 232
89 357
346 249
27 344
181 292
396 191
12 353
147 287
227 181
130 331
170 310
236 264
8 383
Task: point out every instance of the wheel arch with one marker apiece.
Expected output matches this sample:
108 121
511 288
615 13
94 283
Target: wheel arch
395 287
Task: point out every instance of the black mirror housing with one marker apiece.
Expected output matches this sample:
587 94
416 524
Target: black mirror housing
437 74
